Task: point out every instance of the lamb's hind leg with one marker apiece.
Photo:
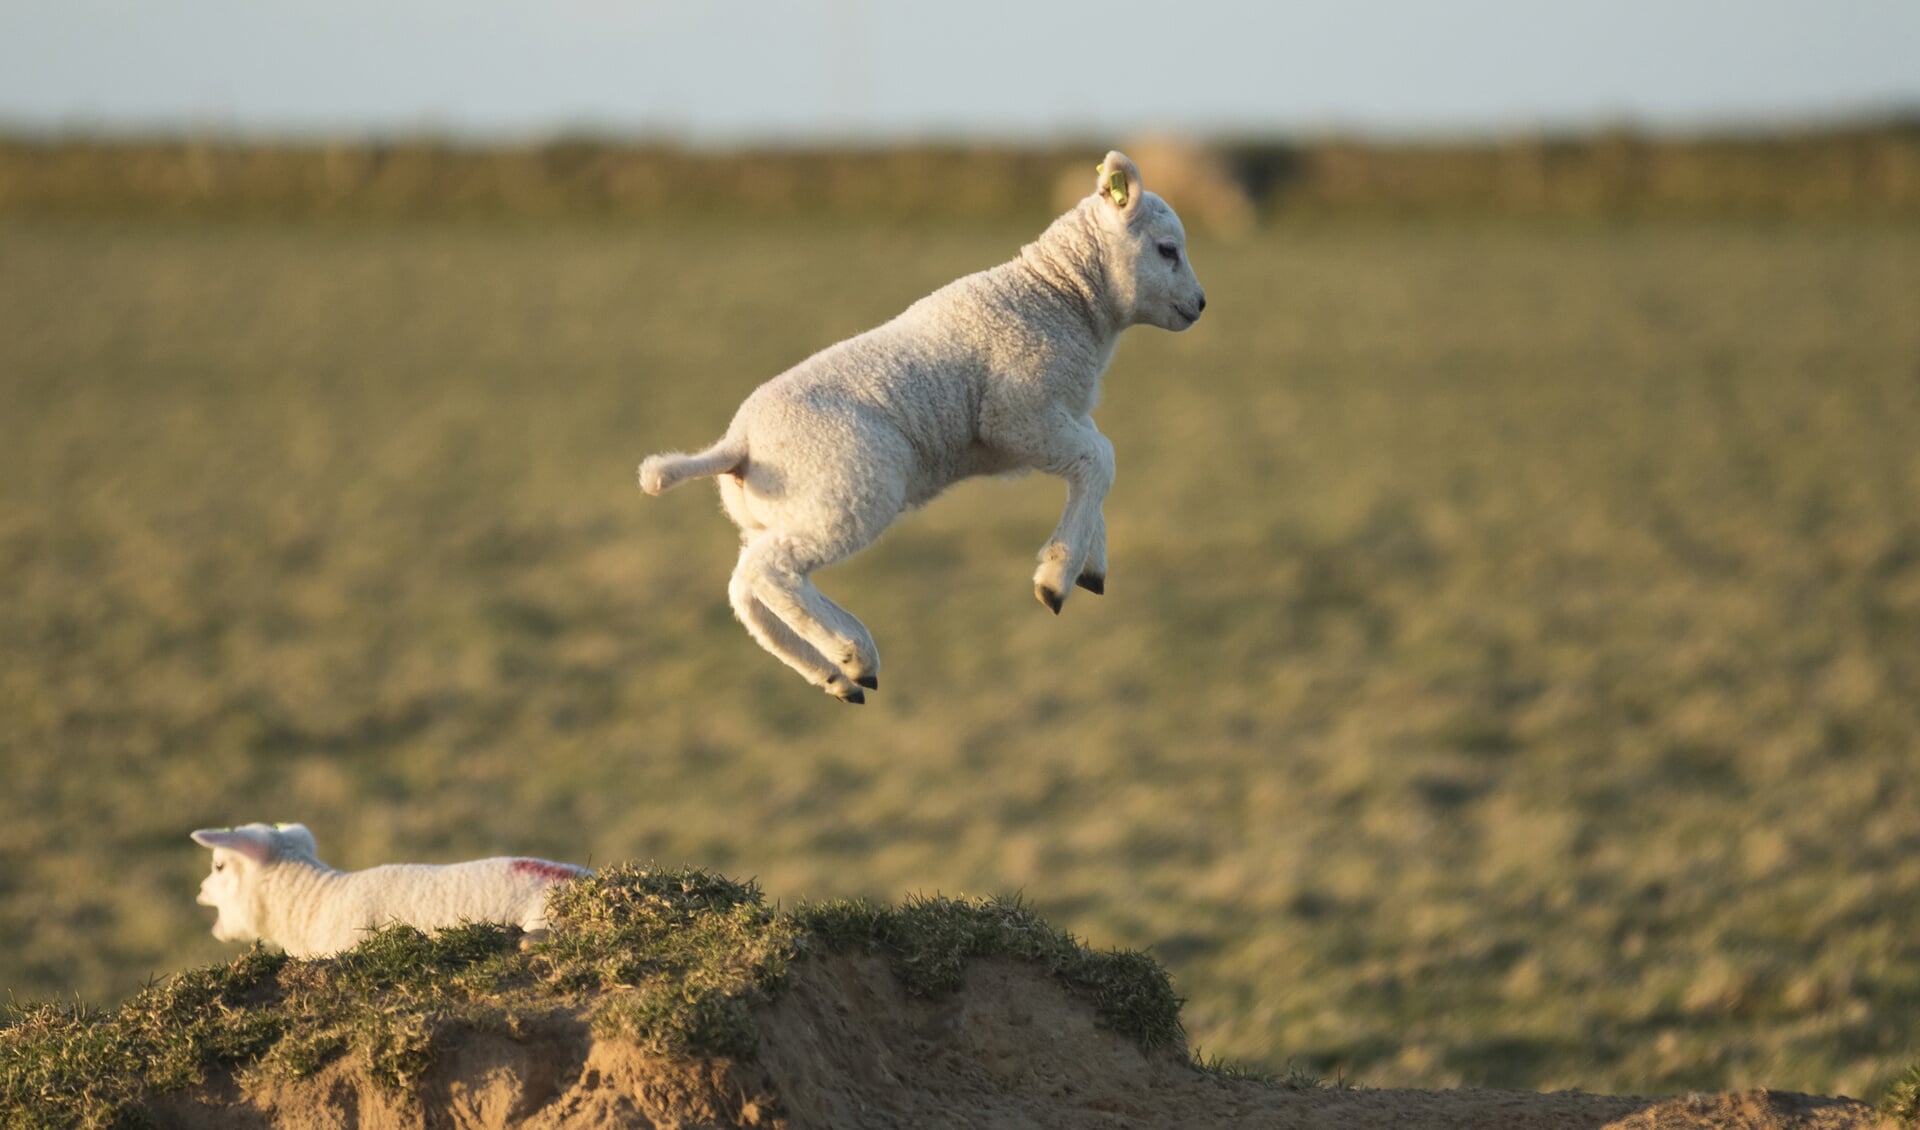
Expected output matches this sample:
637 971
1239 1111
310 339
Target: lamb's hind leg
771 633
860 660
776 566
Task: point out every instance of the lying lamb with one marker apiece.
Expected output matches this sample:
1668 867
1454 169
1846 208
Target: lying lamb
996 373
269 885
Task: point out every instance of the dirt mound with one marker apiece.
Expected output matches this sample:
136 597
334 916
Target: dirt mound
1748 1110
845 1045
544 1076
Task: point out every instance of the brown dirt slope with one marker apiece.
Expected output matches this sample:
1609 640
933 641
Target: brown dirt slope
845 1046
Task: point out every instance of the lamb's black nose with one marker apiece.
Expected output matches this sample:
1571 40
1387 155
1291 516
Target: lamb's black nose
1203 304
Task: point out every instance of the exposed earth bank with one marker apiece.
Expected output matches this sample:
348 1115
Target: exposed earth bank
845 1046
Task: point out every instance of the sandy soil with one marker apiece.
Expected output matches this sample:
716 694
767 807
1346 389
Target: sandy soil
844 1047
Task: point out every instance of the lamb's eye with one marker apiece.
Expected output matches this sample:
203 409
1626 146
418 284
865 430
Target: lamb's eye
1170 252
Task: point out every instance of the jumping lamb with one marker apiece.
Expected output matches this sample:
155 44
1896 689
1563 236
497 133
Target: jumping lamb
996 373
269 885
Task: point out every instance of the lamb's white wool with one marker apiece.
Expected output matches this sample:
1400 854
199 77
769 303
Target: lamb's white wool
993 374
269 885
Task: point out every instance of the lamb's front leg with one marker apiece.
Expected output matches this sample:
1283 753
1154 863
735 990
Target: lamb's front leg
1093 575
1077 552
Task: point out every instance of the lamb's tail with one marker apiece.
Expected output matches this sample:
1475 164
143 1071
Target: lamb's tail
661 473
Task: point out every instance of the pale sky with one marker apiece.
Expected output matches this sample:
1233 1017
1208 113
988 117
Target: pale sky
732 71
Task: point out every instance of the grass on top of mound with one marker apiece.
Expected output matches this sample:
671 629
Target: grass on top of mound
702 950
1901 1103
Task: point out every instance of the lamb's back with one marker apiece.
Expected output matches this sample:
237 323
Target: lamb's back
434 896
923 375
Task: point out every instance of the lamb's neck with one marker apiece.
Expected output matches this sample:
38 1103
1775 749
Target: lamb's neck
293 895
1066 264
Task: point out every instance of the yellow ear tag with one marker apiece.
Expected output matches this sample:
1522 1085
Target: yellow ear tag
1117 187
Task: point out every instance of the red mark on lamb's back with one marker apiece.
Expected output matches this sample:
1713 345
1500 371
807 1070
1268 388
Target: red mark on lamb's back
551 872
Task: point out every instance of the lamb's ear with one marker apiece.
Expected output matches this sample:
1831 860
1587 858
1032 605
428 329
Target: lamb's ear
1119 185
249 841
296 837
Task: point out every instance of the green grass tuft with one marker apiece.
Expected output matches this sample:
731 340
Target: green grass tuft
702 948
1901 1104
63 1066
384 999
475 958
1293 1077
930 942
69 1066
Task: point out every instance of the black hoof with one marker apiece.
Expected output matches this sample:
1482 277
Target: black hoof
1095 583
853 698
871 682
1050 598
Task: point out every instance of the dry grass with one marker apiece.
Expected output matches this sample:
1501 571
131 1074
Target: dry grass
1508 673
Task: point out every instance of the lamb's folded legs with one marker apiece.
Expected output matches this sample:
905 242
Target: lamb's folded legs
1077 552
772 634
796 622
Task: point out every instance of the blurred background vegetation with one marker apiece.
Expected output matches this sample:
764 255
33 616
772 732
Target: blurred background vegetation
1870 169
1508 674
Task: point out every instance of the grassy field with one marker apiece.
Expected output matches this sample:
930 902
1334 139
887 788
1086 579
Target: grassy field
1509 673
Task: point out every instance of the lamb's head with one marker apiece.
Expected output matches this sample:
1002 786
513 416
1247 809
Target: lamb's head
239 856
1145 249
